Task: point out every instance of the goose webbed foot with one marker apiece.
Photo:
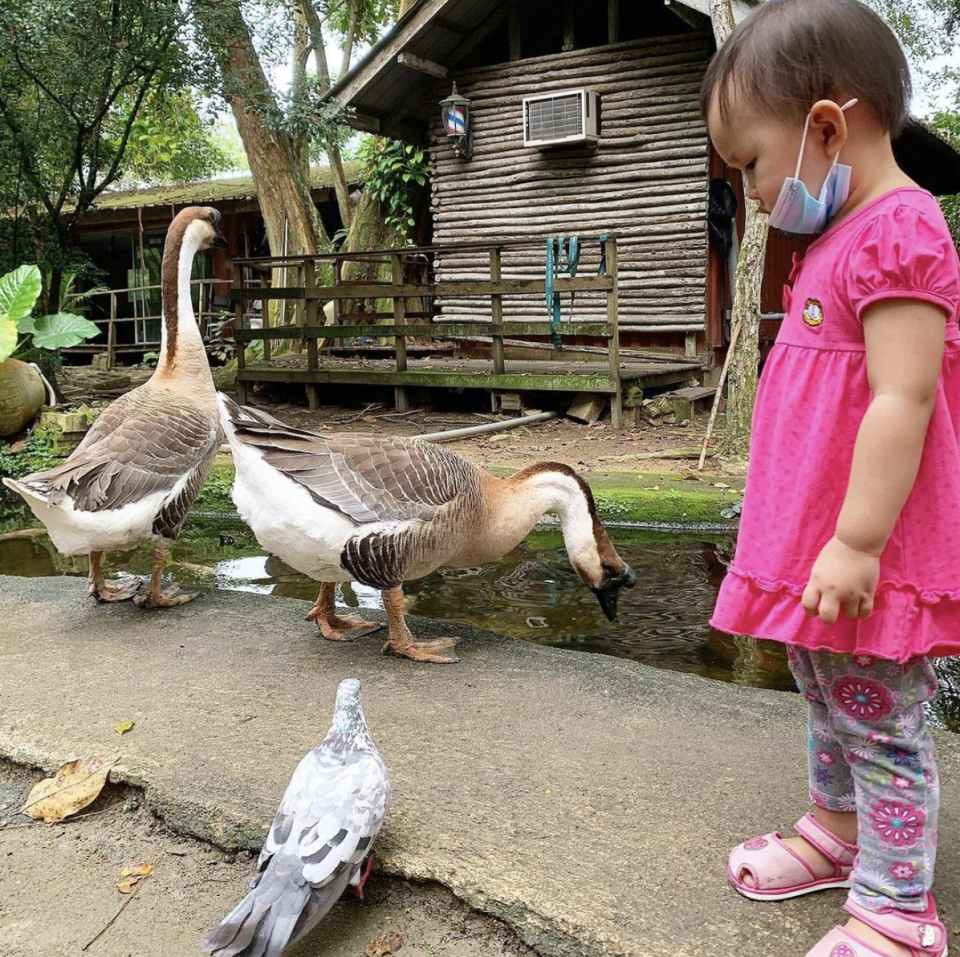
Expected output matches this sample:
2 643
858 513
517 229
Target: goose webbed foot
155 597
335 627
114 591
428 651
169 598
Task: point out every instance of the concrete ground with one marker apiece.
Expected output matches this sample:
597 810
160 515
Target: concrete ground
589 802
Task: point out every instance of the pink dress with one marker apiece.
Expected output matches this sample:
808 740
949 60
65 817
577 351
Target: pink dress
812 397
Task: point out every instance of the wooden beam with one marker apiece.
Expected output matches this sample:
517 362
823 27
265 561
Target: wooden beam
514 10
450 26
569 25
613 21
423 66
432 330
693 18
478 36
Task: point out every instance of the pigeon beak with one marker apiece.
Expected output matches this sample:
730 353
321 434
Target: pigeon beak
609 590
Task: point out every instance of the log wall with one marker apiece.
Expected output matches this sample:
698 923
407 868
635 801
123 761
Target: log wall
645 181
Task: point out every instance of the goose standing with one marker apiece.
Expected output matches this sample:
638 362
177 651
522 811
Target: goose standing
139 468
326 824
385 510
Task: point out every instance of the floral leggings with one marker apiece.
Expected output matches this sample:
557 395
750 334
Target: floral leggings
871 752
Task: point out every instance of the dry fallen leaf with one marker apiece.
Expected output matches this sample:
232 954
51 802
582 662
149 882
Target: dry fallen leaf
123 727
133 876
720 485
383 945
71 789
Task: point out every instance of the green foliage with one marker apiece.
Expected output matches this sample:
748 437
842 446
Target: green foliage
19 291
215 495
394 173
39 452
170 143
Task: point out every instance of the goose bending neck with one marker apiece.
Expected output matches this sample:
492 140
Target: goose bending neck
181 345
527 496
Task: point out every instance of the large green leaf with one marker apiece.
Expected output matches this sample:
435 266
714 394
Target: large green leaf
8 337
19 290
62 330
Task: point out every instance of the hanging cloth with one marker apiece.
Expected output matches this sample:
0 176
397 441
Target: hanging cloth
563 256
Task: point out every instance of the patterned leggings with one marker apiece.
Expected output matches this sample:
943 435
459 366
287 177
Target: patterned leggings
871 752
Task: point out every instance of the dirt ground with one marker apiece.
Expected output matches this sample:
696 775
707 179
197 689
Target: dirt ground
58 890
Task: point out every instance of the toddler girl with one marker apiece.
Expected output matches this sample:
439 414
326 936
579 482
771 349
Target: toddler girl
849 547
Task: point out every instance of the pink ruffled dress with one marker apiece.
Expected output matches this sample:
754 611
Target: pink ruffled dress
812 398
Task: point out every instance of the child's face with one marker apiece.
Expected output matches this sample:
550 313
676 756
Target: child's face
765 150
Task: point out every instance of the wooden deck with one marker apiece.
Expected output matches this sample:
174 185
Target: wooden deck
436 372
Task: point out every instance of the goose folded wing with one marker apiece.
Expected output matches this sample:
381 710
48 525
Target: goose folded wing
367 478
125 457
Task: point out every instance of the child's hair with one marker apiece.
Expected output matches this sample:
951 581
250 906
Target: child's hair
790 53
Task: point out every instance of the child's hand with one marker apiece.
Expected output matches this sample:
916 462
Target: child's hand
842 577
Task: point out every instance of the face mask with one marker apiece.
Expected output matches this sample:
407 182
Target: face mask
796 210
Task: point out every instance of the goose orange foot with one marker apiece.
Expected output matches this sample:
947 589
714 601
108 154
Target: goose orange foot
428 651
170 598
120 591
332 626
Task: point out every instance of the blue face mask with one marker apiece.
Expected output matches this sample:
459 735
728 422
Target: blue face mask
796 210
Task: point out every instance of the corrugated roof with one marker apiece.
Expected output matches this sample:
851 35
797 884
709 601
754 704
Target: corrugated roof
210 190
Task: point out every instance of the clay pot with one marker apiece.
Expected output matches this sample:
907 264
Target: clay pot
22 395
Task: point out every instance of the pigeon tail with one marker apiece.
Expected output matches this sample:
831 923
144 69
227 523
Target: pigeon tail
261 925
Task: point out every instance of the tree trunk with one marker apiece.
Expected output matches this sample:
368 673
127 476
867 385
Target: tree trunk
745 362
281 188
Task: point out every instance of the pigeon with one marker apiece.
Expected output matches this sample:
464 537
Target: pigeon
327 822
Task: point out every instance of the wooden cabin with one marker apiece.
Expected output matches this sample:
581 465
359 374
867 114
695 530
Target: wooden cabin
542 165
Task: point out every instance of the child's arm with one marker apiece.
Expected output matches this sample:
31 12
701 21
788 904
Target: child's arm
904 340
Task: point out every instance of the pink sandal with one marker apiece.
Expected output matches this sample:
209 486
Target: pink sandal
779 873
922 933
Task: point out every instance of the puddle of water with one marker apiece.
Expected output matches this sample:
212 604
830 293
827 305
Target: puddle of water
532 594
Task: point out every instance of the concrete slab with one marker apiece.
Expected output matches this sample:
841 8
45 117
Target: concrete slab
588 801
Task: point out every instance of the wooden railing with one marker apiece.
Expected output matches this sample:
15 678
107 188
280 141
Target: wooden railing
205 314
309 298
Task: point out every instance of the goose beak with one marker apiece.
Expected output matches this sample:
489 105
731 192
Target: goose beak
219 240
608 590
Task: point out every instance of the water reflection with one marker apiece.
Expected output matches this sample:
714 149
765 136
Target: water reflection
531 594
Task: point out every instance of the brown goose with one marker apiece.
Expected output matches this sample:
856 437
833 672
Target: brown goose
139 468
387 510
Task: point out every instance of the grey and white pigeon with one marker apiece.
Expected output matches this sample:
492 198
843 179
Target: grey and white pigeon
328 819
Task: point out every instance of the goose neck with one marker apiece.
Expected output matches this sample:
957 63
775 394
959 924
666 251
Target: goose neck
181 346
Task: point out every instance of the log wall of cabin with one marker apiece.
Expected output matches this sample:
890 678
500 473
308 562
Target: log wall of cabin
644 182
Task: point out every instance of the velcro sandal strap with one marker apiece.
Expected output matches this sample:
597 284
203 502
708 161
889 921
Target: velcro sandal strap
923 932
829 845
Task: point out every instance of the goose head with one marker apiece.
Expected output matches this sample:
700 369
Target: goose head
588 545
200 224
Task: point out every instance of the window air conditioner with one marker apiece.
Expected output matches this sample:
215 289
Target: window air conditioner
566 118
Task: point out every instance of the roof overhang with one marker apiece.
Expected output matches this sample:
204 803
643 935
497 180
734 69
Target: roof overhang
430 40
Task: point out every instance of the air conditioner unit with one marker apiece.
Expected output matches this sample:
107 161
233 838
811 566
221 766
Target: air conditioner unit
561 119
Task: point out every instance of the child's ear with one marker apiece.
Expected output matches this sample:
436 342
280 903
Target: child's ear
829 126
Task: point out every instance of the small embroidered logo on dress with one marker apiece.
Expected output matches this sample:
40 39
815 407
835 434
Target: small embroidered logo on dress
813 312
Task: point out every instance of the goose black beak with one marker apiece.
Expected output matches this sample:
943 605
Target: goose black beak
219 240
608 591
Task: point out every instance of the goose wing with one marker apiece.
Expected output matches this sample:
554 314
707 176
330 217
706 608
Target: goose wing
367 478
148 441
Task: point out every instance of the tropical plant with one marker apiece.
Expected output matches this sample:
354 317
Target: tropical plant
395 174
21 331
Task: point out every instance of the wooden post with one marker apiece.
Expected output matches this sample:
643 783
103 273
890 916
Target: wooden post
265 317
311 314
516 52
338 303
569 25
112 332
242 394
613 21
200 323
496 307
613 309
399 317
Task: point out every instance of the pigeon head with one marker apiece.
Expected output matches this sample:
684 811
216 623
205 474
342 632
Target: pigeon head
348 714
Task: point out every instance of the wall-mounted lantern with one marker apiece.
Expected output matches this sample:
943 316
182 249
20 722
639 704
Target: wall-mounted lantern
456 119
